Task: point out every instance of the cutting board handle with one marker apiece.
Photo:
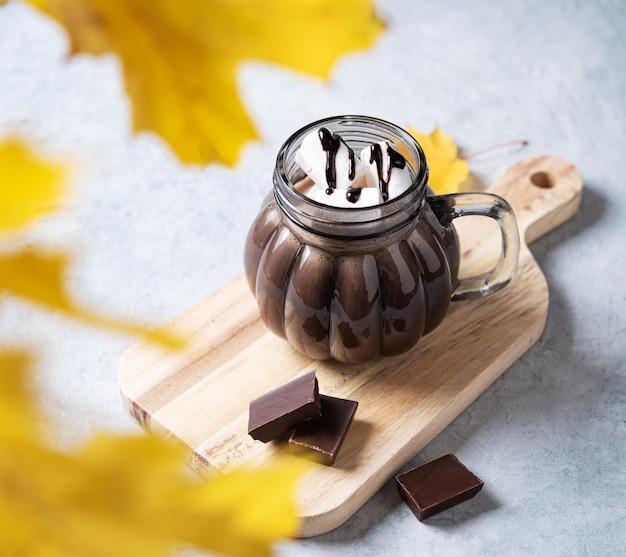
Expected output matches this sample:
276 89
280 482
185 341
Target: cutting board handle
544 192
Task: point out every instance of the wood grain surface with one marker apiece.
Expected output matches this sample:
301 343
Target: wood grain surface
200 396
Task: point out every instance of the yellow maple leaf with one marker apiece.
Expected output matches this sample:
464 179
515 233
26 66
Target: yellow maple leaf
30 185
126 495
447 171
179 57
40 277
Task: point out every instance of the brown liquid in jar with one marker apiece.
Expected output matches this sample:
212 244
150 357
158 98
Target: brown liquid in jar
351 301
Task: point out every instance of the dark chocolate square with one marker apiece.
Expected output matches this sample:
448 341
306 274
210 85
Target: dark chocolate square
320 439
437 485
279 411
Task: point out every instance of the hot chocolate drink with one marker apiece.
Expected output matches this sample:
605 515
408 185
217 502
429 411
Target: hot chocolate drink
341 279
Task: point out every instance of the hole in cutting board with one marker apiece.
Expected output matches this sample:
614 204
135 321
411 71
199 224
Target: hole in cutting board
542 180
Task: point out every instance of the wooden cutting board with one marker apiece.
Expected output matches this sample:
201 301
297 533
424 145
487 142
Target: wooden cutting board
201 395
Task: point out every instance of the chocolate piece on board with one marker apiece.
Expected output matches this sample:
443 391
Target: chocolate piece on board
437 485
281 410
320 439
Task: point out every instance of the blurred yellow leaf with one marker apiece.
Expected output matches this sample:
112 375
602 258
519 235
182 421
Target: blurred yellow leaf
30 186
18 419
39 277
126 495
179 57
447 171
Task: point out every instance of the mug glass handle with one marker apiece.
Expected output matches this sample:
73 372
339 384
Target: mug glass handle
451 206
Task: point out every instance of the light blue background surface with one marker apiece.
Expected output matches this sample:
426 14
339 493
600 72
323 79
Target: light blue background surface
152 237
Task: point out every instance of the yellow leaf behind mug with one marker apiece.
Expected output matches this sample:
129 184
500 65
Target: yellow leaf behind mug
447 170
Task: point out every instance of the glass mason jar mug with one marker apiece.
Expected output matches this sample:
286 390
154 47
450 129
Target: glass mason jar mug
355 283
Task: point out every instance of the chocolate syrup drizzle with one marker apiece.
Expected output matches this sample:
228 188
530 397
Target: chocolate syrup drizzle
331 143
396 160
353 194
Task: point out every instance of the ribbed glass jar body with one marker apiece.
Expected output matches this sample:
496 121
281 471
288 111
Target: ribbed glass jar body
351 283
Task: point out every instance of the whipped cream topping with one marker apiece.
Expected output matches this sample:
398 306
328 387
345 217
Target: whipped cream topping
343 179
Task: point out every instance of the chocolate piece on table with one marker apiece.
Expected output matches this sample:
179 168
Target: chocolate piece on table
279 411
320 439
437 485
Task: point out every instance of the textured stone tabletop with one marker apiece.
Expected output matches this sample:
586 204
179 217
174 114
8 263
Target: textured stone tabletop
152 237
